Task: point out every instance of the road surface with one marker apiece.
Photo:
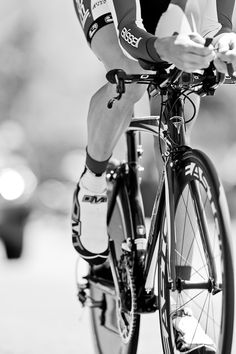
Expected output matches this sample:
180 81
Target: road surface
39 313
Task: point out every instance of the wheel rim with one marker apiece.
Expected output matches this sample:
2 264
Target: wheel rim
193 265
207 303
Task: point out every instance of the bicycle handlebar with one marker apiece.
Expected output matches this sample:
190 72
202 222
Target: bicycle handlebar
166 76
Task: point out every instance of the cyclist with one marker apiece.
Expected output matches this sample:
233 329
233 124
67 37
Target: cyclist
120 32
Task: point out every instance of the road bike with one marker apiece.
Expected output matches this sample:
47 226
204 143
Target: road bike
185 261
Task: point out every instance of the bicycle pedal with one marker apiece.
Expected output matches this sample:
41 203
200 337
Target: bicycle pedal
82 297
86 301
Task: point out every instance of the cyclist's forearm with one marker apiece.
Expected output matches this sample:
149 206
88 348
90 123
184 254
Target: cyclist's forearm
137 42
132 35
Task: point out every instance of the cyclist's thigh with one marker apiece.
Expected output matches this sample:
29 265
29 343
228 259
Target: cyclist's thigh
204 13
210 25
97 23
106 47
173 20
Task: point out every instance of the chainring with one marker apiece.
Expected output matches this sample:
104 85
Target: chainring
126 307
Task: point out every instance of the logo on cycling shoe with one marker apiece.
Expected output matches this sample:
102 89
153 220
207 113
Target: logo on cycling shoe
94 199
130 38
83 12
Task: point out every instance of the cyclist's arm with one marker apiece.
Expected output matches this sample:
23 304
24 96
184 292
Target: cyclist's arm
225 10
133 37
139 43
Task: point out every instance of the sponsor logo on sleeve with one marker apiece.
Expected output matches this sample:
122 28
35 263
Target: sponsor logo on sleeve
83 12
108 19
130 38
93 29
97 3
99 8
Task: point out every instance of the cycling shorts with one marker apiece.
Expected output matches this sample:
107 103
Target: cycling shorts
95 14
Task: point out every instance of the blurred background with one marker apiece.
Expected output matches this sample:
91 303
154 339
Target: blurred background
47 76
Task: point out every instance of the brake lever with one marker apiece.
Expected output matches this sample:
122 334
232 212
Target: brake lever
117 77
230 68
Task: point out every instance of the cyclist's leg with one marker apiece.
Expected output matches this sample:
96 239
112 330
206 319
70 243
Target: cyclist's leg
190 15
103 133
105 126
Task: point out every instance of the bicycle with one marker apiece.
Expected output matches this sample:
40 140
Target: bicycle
189 243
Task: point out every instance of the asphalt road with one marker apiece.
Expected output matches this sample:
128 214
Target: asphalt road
39 313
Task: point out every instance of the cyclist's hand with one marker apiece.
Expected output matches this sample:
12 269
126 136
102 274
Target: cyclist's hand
225 46
186 52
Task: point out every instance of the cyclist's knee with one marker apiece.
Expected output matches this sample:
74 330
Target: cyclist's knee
106 47
133 92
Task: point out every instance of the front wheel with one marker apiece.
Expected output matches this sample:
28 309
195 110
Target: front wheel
202 279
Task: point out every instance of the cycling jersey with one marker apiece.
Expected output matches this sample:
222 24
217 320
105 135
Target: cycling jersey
136 21
140 44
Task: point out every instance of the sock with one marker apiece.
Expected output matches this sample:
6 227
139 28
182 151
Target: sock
97 167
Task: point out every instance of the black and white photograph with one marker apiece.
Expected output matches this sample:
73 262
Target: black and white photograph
117 176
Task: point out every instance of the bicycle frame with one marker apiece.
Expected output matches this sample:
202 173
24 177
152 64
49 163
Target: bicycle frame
164 202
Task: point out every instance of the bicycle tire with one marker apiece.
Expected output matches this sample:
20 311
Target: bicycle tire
104 320
209 255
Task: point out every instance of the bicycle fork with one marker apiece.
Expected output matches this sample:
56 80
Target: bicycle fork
162 225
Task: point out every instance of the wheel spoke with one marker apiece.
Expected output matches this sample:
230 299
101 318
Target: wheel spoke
203 284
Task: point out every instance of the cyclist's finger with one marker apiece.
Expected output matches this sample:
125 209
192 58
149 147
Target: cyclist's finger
228 57
194 49
201 58
200 50
193 43
224 45
206 42
197 38
220 66
183 39
192 62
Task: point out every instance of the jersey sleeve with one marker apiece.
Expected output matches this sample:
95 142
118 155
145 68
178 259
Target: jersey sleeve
225 10
132 36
